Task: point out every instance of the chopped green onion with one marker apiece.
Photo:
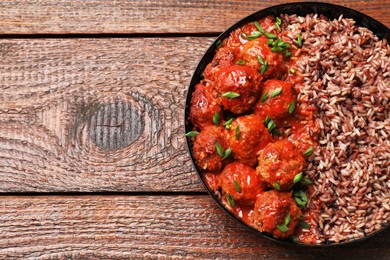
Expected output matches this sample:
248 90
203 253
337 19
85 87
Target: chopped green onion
258 26
303 196
230 199
230 94
270 42
276 132
283 45
282 228
192 134
271 126
228 123
298 177
218 44
305 182
287 219
270 35
263 68
276 92
228 152
276 49
254 35
237 186
266 120
278 23
276 185
304 224
287 54
299 40
291 107
309 151
260 59
299 202
237 132
292 70
240 62
220 150
216 118
264 97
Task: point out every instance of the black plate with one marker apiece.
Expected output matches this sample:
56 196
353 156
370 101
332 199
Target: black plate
331 11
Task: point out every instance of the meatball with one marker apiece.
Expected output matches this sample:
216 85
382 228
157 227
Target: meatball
203 106
205 148
242 183
279 163
259 48
247 136
223 58
276 105
276 213
241 80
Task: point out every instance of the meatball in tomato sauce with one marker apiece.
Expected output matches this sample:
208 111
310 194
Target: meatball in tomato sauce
279 163
223 58
276 97
239 88
242 183
205 148
247 136
204 105
256 53
276 213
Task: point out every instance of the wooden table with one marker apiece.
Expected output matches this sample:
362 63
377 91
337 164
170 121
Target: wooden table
93 162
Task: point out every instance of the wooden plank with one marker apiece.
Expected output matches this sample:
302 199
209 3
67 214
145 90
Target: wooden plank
96 114
138 16
145 227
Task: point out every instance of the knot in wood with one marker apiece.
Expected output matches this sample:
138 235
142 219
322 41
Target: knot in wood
116 125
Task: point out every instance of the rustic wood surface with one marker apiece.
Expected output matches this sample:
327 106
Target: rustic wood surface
145 226
96 114
92 156
139 16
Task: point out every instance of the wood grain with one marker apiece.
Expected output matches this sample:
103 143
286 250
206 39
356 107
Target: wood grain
108 227
96 114
138 16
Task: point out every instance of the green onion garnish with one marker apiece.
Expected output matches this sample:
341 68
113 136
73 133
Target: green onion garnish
237 132
230 94
219 150
276 92
228 123
266 120
216 118
258 26
299 40
304 224
240 62
264 97
278 23
305 182
276 185
230 199
298 177
271 126
287 219
270 42
254 35
192 134
237 186
260 59
270 35
292 70
218 44
228 152
263 68
291 107
309 151
282 228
